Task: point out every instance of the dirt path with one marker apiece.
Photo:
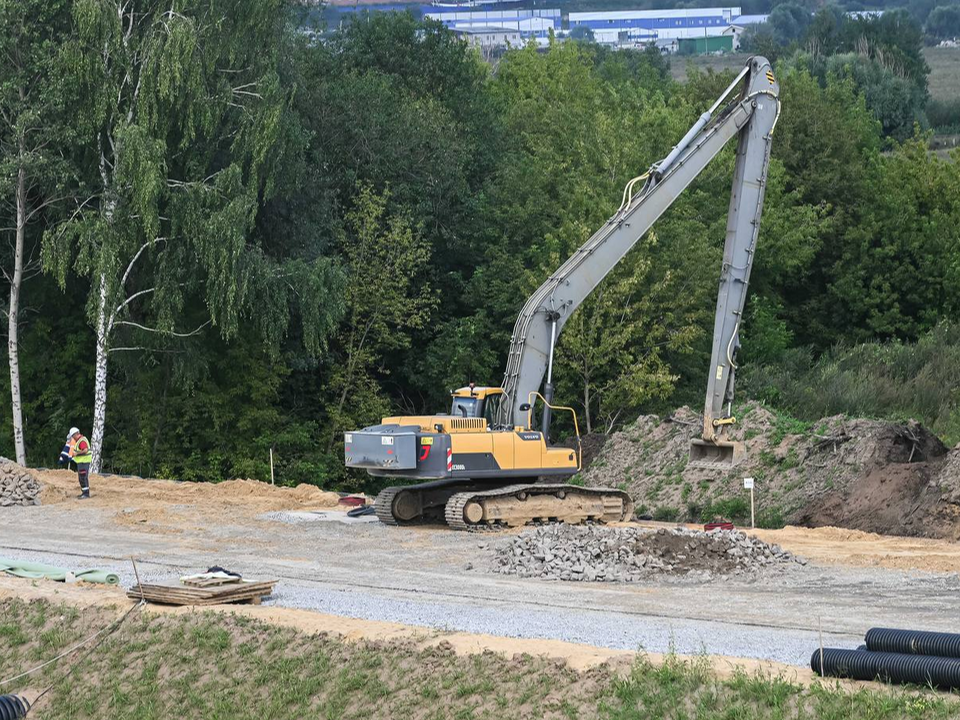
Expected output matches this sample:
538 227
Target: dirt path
838 546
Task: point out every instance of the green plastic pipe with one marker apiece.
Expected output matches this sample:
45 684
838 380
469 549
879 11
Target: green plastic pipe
37 571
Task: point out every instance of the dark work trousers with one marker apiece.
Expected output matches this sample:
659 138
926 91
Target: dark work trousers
83 475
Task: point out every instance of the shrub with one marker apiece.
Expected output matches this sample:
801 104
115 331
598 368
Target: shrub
944 115
666 513
891 379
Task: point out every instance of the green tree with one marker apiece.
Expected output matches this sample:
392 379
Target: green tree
943 22
385 299
582 33
825 138
789 22
394 102
897 275
177 109
610 353
31 172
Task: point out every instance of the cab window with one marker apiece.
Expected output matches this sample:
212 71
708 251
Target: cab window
492 409
465 407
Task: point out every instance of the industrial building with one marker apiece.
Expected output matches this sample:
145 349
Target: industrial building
489 37
714 29
527 24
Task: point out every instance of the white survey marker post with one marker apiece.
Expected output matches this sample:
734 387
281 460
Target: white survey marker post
748 485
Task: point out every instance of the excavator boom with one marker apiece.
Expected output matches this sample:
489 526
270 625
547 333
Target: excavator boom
485 463
751 117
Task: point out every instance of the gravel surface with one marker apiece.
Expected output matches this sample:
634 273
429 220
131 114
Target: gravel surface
300 517
435 578
590 627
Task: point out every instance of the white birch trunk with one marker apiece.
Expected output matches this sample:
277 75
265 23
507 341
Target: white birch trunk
104 322
13 349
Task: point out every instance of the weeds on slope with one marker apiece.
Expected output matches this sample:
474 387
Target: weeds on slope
211 666
687 690
889 380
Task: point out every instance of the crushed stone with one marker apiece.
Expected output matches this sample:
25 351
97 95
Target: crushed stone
18 486
613 554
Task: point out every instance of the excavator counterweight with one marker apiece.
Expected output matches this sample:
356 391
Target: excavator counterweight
487 462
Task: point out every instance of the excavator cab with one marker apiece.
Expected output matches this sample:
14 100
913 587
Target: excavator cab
476 402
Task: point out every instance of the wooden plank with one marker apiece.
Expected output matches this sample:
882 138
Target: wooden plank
209 582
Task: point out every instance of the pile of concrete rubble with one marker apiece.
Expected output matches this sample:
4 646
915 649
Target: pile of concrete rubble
609 554
17 485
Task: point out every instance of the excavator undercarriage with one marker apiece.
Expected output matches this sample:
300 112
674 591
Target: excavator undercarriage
471 506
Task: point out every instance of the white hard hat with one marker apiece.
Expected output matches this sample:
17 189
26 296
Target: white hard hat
73 431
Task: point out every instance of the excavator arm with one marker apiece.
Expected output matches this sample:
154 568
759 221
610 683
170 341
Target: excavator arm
751 117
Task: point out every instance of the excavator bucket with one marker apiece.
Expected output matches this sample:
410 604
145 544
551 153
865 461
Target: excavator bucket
721 455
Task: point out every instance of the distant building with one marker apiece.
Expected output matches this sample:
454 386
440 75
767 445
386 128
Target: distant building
526 24
703 45
668 46
489 37
744 20
643 27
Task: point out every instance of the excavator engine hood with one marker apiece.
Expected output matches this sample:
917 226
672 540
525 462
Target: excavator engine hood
718 455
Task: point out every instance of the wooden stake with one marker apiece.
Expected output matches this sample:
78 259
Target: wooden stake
137 575
820 629
271 467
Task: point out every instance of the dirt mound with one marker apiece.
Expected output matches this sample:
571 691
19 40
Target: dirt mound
609 554
870 475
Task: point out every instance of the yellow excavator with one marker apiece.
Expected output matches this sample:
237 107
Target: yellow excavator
487 463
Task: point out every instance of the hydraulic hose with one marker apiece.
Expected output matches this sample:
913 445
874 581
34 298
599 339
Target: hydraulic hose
913 642
901 668
13 707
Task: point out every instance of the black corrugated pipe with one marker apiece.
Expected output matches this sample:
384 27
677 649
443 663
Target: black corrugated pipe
913 642
939 672
13 707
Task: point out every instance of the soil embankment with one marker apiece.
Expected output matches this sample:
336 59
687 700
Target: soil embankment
870 475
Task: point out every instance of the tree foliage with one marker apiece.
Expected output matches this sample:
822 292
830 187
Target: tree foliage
359 220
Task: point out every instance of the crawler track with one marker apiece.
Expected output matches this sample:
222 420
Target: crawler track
516 505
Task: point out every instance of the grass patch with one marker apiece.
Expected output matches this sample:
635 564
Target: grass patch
210 666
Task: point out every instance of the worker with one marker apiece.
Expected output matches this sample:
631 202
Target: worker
78 450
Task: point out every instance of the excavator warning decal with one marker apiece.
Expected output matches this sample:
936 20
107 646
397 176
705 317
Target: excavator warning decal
719 372
449 460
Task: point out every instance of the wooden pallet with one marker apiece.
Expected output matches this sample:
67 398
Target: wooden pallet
210 582
246 591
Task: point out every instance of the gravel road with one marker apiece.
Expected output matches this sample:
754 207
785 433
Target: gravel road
590 627
436 578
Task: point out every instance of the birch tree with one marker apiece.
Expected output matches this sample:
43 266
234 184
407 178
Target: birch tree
179 111
29 166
